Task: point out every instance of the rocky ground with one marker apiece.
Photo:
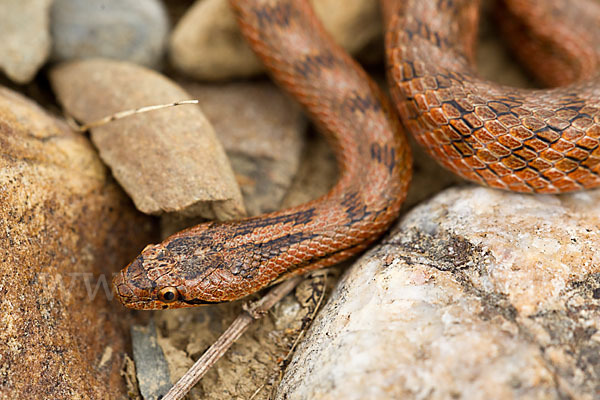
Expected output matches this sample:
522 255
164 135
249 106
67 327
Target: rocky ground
474 293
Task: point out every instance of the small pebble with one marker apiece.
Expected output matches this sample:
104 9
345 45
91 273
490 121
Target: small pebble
151 367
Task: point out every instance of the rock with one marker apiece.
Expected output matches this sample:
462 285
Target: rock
167 160
152 370
317 174
262 131
206 43
476 294
65 228
25 44
128 30
194 50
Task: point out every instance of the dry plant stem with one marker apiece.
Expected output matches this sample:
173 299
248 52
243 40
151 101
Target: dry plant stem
124 114
257 391
311 318
252 312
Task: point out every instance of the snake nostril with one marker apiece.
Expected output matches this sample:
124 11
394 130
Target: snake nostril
121 289
124 291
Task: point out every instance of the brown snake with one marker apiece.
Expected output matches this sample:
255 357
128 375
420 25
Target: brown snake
523 140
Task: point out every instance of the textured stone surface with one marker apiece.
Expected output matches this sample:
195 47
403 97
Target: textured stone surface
25 43
167 160
262 131
128 30
476 294
206 43
65 227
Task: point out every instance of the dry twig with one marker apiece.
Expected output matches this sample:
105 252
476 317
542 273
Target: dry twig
311 318
123 114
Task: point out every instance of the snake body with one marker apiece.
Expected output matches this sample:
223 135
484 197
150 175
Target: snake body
523 140
543 141
217 262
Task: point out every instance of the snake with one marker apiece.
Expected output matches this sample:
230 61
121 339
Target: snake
523 140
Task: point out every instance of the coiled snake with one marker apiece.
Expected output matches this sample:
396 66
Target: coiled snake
544 141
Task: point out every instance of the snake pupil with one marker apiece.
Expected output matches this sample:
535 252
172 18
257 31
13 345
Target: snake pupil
168 294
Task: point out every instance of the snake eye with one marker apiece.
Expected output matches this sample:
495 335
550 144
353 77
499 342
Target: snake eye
168 294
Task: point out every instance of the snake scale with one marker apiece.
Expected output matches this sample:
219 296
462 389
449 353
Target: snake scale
544 141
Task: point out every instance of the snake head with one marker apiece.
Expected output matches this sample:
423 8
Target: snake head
156 280
212 263
145 283
188 269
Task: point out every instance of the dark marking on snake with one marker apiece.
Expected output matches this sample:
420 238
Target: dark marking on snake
279 14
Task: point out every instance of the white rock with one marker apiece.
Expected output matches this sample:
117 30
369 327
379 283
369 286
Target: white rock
477 294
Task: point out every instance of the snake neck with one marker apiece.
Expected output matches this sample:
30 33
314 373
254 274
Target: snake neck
225 261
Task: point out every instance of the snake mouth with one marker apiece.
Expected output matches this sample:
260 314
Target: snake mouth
199 302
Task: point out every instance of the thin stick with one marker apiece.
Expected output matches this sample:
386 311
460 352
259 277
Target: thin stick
126 113
252 312
257 391
311 318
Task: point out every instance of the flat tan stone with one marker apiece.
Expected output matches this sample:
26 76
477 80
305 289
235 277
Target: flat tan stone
167 160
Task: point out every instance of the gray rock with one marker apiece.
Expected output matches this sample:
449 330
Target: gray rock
129 30
477 294
25 37
151 367
262 131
